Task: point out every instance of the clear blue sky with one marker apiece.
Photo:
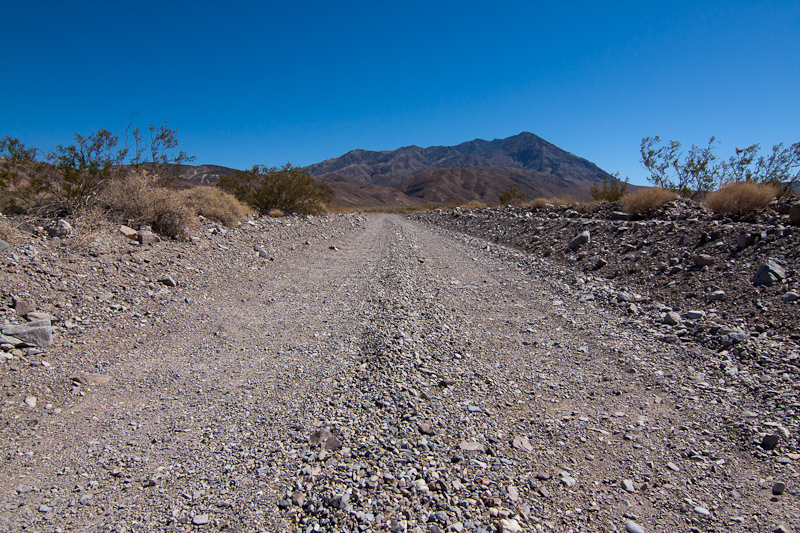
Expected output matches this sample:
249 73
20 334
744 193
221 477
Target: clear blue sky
269 82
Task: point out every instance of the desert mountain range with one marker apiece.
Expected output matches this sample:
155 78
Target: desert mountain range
474 170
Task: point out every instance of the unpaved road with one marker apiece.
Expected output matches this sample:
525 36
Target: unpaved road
466 387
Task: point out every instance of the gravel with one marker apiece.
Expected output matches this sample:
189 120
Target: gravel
372 373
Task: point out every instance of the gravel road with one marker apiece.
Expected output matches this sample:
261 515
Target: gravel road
370 373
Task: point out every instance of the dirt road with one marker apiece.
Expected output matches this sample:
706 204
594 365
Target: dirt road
375 375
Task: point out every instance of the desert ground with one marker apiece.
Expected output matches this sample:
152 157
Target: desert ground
446 371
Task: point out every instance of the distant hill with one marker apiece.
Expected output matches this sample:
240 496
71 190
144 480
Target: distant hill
192 176
474 170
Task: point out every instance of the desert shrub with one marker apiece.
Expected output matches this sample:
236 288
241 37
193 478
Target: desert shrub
611 190
699 171
170 216
71 177
289 189
138 198
538 203
646 201
512 196
670 169
741 198
568 200
216 205
474 204
276 213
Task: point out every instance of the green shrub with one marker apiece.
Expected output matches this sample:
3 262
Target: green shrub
611 190
290 189
512 196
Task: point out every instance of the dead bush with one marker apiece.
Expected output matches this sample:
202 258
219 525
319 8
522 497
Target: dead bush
474 204
137 198
170 216
538 203
275 213
740 198
574 202
646 201
216 205
565 200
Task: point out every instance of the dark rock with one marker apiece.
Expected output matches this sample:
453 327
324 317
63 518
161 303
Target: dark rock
583 238
794 214
702 260
168 281
769 442
769 273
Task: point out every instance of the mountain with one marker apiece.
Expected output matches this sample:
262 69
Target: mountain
473 170
411 176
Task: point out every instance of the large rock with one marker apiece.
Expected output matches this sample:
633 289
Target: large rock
580 240
128 232
794 214
4 246
769 273
702 260
23 306
38 333
147 237
61 228
41 337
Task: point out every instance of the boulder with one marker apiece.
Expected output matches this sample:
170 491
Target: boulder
794 214
23 306
769 273
790 296
128 232
32 334
147 237
702 260
61 228
583 238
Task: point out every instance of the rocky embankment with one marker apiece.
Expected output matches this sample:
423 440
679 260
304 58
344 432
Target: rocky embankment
372 373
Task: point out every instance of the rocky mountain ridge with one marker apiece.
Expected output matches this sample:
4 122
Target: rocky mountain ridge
412 175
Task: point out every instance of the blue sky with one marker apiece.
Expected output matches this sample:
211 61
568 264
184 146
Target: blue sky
268 82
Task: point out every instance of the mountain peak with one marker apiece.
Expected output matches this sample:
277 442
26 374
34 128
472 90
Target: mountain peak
525 161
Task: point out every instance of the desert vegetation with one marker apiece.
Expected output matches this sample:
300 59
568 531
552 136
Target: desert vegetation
101 176
741 198
646 201
512 196
610 190
699 171
289 189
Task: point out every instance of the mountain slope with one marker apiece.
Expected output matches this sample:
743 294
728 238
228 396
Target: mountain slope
412 175
525 152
